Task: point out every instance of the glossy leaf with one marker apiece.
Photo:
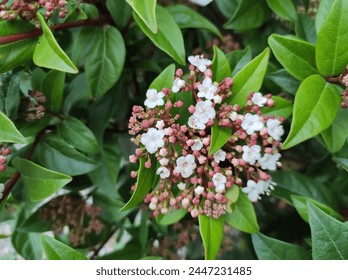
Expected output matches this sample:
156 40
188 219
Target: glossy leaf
164 79
249 79
227 7
281 108
39 181
168 37
284 80
322 12
284 9
220 66
219 137
105 63
329 236
268 248
49 54
305 28
243 215
343 162
145 180
146 11
238 59
172 217
212 233
315 107
297 56
56 250
188 18
53 89
120 12
9 132
331 48
77 134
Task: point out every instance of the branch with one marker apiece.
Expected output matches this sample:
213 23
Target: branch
97 249
334 80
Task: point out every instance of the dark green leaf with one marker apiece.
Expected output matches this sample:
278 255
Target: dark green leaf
220 66
343 162
172 217
282 79
146 11
9 132
120 12
35 223
305 28
238 59
53 89
227 7
13 96
281 108
284 9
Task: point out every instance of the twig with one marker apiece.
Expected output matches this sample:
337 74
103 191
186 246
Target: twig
97 249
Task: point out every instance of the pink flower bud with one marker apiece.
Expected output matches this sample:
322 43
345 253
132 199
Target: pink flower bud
192 109
194 213
2 168
178 104
133 159
179 72
169 105
3 160
148 164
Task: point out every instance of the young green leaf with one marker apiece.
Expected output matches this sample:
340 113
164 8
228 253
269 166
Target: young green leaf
212 233
9 132
53 89
145 180
322 12
49 54
315 107
238 59
56 250
171 217
267 248
105 63
146 11
331 48
243 215
220 66
249 78
281 108
165 79
77 134
284 8
40 182
329 236
219 137
188 18
297 56
168 37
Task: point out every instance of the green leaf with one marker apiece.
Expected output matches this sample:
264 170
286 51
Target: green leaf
284 80
343 162
40 182
9 132
315 107
238 59
243 215
13 96
305 28
146 11
301 205
329 236
19 52
322 12
58 155
172 217
168 37
336 135
53 89
49 54
211 231
145 180
105 63
219 137
331 48
77 134
284 9
35 223
188 18
267 248
281 108
120 12
220 66
165 79
249 79
227 7
297 56
56 250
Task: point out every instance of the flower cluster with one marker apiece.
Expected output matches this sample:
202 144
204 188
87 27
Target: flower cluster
32 106
179 137
26 9
4 152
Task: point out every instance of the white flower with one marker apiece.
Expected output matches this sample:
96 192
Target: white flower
160 124
154 98
219 155
163 172
195 123
152 140
253 190
234 116
201 2
207 89
275 129
269 161
178 84
185 202
185 165
217 99
252 123
251 154
197 145
219 181
181 186
204 111
200 62
199 190
164 161
258 99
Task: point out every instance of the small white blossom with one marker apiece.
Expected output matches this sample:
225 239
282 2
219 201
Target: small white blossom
234 116
164 161
252 123
217 99
258 99
207 89
269 161
200 62
160 124
201 2
152 206
185 203
251 154
181 186
178 84
219 155
152 140
253 190
195 123
185 165
219 181
204 111
275 129
163 172
197 145
199 190
154 98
